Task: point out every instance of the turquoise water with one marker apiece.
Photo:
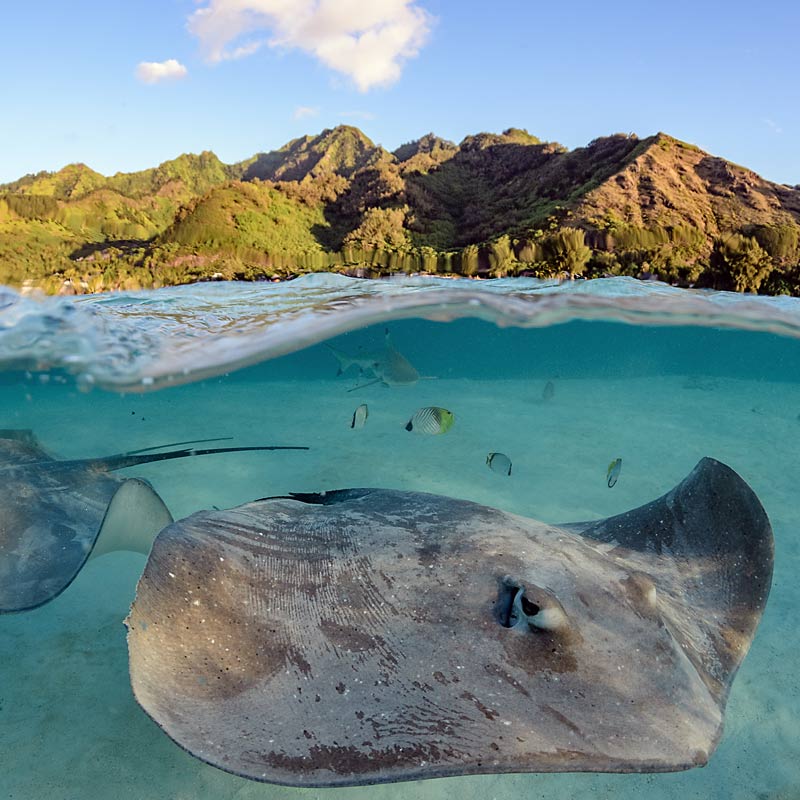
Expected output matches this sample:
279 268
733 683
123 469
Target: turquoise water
658 377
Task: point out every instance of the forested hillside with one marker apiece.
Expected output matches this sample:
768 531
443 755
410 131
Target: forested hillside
493 205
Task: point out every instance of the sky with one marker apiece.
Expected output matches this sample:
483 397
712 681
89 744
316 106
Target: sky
123 85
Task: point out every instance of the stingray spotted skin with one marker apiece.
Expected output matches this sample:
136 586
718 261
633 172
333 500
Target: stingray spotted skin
367 635
55 514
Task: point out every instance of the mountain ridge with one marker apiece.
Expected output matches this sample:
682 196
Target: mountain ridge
493 204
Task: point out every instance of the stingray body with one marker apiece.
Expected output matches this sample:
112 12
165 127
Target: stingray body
55 514
368 635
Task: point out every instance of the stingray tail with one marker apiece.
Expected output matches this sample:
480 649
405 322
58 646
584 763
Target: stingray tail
178 444
123 460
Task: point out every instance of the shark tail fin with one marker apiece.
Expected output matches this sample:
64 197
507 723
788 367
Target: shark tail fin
344 361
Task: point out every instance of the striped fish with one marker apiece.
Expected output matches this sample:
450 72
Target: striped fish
431 420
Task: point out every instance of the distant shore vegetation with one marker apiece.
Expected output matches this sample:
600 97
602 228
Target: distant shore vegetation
496 205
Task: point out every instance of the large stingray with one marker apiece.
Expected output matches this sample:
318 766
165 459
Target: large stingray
54 514
368 635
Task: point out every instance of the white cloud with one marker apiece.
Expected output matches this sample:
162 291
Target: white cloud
156 71
301 112
366 41
243 50
773 125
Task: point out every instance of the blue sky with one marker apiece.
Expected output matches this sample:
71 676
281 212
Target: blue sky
81 78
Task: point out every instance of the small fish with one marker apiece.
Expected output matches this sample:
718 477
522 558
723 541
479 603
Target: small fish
499 462
360 416
614 469
549 391
431 420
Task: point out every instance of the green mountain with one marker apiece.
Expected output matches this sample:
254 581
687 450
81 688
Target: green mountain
342 151
495 204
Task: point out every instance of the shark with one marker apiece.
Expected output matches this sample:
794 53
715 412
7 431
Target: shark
387 366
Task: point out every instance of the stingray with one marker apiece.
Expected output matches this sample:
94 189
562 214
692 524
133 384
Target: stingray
388 366
55 515
367 635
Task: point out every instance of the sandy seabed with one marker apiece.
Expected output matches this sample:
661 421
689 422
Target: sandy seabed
69 726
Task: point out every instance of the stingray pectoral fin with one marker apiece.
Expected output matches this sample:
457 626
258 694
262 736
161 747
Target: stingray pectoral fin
20 435
710 538
712 495
20 445
133 518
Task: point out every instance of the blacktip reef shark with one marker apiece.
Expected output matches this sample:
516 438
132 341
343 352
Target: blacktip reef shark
367 635
55 515
388 365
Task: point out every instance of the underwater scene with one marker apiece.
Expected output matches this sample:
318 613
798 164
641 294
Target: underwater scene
555 577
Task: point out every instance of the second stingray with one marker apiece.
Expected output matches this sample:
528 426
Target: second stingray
55 515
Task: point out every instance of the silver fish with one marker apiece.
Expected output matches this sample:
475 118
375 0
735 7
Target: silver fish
612 475
360 416
499 462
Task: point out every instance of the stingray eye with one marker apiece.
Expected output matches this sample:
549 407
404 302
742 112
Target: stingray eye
530 609
541 609
504 609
